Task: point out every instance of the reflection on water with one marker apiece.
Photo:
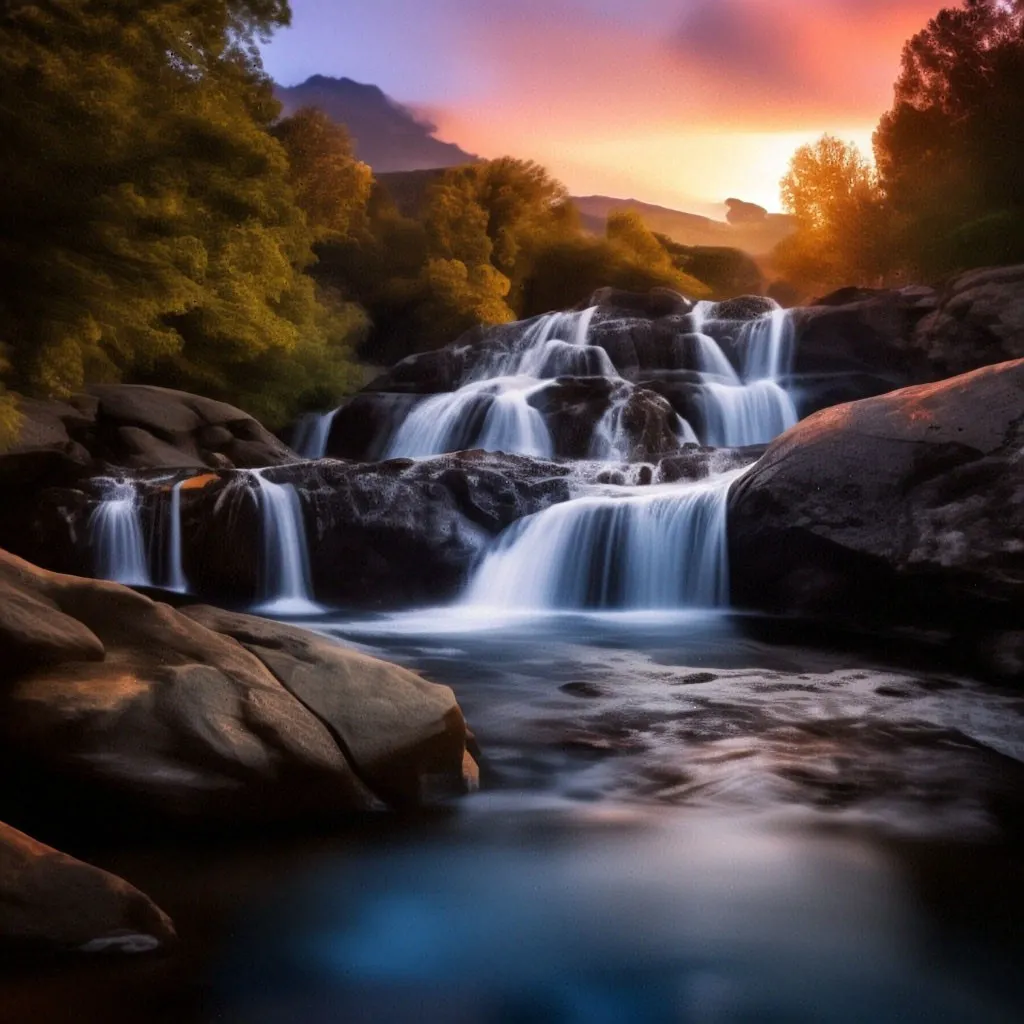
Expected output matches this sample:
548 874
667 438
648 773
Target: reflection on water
608 916
680 825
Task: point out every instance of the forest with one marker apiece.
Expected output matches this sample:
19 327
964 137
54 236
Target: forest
163 224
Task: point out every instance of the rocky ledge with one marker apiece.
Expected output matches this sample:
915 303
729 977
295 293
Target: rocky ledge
146 428
903 510
115 708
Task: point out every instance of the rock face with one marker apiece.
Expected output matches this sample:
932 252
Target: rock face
146 428
978 320
51 903
907 509
391 533
119 709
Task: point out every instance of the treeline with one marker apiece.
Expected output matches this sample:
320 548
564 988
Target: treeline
487 243
162 224
946 191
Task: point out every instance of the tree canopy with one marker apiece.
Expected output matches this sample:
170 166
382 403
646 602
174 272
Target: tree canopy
151 226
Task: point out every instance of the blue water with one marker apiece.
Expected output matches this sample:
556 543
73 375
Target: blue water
681 825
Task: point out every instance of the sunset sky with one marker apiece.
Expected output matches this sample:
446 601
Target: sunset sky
678 102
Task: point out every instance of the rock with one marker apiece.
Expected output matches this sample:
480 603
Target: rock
147 428
902 510
746 307
656 303
156 717
741 212
389 534
51 903
404 734
979 320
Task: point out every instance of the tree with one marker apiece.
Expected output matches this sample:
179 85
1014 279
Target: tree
949 151
833 193
151 231
331 186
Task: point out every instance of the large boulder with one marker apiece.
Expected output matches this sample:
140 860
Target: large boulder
979 320
387 534
901 510
146 428
51 903
117 708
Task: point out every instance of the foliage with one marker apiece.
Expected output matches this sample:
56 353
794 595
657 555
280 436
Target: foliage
331 186
833 193
151 231
950 149
725 272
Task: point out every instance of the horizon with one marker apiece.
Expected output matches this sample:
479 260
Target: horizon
697 101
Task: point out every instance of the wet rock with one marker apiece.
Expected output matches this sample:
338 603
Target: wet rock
147 714
907 509
51 903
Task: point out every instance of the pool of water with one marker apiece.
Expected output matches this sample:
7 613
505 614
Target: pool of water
679 824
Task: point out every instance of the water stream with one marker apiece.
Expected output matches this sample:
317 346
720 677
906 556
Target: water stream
116 536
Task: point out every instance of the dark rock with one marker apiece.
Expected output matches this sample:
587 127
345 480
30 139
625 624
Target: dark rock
979 320
146 428
746 307
208 718
51 903
392 533
656 303
906 509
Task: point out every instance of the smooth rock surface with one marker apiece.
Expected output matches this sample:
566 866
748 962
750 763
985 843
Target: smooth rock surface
168 720
51 903
907 509
146 428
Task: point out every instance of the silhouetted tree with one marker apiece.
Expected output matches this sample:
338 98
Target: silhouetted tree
949 152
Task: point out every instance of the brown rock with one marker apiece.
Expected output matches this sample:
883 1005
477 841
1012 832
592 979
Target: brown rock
52 903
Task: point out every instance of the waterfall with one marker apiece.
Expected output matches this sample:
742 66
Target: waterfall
312 434
176 579
751 407
285 579
495 415
642 548
115 534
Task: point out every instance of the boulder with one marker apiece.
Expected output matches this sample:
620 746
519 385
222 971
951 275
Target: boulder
901 510
653 304
979 320
123 709
389 534
145 428
51 903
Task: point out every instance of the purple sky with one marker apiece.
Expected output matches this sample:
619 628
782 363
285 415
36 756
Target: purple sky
680 102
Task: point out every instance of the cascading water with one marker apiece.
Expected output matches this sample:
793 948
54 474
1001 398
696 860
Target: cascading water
495 415
116 536
493 409
176 579
655 547
640 548
312 434
286 587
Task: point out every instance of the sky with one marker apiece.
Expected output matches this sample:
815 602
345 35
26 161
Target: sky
683 103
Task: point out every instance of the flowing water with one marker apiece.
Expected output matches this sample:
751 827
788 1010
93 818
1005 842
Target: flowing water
680 824
286 580
176 579
116 537
312 434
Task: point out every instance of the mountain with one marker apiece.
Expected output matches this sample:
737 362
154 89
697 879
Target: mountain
757 237
387 136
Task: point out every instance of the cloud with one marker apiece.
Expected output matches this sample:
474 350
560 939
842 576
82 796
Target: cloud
742 39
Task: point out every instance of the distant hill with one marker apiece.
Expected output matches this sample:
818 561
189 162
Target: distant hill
387 136
755 237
